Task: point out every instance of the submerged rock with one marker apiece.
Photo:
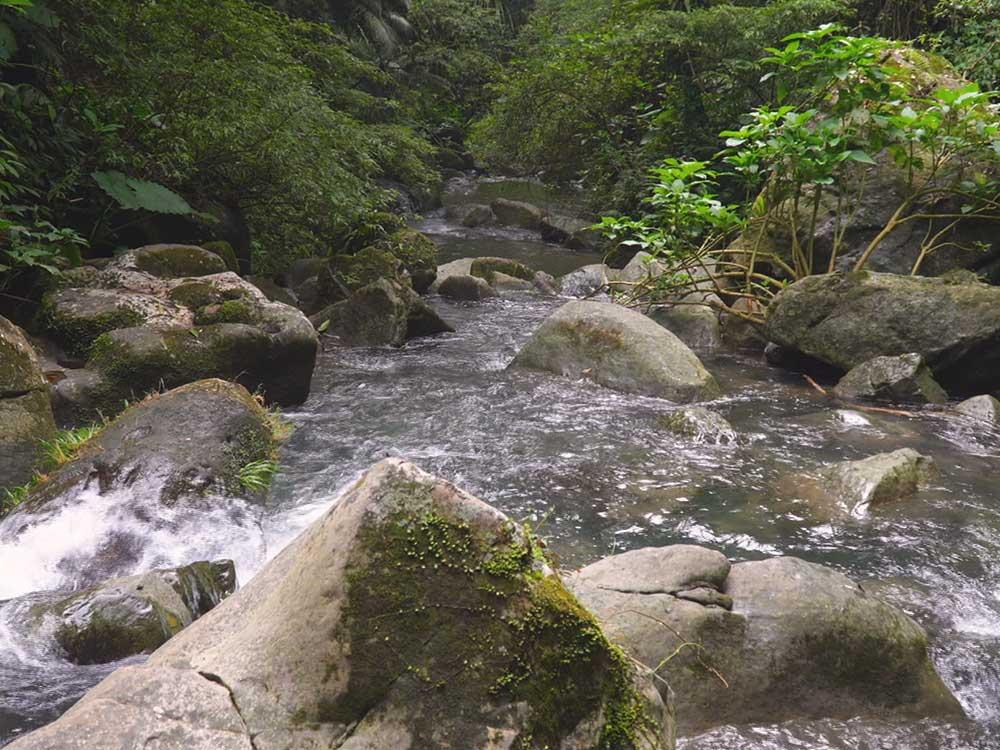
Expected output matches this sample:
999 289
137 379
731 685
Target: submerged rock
466 288
136 615
847 319
985 409
698 423
618 348
879 479
762 642
183 450
25 412
517 213
384 313
436 623
905 378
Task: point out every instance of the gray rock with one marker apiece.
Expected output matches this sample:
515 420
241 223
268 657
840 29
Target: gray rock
181 449
25 412
800 641
740 333
466 288
697 325
503 282
883 478
546 284
136 615
517 213
585 282
985 409
618 348
699 424
460 267
574 233
383 313
642 267
435 622
905 378
844 320
488 268
471 214
273 291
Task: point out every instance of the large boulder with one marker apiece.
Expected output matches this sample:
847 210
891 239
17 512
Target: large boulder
695 321
618 348
471 214
173 458
25 412
879 479
410 615
128 616
138 328
383 313
761 642
517 213
574 233
983 409
905 378
846 319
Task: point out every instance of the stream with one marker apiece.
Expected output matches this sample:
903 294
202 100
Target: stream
591 471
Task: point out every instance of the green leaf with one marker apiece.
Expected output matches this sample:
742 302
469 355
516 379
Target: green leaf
324 326
861 156
141 195
8 42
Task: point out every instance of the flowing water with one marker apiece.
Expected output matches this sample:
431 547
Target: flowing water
591 470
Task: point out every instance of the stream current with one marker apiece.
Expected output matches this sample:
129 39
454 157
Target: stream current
592 471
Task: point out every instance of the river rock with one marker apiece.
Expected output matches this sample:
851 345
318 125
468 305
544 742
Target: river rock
488 268
574 233
586 281
905 378
466 288
984 409
435 623
503 282
25 412
642 267
847 319
171 454
618 348
517 213
740 333
696 322
471 214
545 283
761 642
136 615
698 424
879 479
460 267
141 330
384 313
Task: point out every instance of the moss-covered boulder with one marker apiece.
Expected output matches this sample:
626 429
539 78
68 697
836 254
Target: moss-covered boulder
188 448
136 333
517 213
25 412
762 642
173 261
383 313
128 616
225 251
844 320
418 254
879 479
905 378
410 615
618 348
488 268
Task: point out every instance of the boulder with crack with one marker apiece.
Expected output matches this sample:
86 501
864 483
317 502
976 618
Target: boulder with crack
410 615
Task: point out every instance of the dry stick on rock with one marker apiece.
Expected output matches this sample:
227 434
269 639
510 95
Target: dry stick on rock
859 407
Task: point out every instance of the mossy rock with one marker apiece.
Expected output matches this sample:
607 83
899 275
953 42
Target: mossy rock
437 623
487 268
75 318
230 311
195 295
174 261
225 251
418 254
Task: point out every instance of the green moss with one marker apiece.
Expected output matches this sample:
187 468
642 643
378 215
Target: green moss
487 268
365 267
172 261
76 334
415 250
225 251
230 311
195 294
468 620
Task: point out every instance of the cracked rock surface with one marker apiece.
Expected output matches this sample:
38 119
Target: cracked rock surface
412 615
761 642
